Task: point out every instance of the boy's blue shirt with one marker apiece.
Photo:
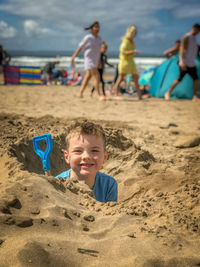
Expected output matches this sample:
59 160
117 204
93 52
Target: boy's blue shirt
105 187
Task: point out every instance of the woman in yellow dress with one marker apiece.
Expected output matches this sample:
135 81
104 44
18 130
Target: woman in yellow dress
127 64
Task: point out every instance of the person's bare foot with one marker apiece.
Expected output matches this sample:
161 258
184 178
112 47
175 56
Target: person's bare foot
80 96
195 98
118 97
167 96
102 98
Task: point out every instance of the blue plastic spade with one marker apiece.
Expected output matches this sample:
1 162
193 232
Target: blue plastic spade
44 155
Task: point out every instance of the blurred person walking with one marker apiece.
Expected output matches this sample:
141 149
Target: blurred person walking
91 44
127 64
188 53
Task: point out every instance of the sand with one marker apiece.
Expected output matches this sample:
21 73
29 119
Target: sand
154 153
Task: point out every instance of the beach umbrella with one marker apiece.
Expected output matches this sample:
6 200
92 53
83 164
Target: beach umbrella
146 75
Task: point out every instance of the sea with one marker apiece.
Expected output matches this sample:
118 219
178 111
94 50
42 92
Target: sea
40 59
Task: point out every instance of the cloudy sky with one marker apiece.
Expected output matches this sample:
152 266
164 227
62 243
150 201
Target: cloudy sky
58 24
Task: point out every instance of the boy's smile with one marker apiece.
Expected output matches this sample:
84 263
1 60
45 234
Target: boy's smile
86 155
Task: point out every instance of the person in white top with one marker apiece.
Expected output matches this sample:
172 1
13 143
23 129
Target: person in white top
188 53
91 44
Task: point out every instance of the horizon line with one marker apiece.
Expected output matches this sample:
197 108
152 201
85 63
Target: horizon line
67 52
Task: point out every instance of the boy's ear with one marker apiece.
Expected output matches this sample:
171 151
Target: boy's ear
66 156
105 156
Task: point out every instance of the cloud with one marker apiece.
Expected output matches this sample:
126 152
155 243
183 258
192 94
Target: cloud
151 36
66 19
187 11
82 12
33 29
6 31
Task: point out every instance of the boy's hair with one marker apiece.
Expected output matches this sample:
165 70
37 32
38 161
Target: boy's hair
78 128
103 43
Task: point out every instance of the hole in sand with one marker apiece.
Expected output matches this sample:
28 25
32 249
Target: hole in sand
30 161
123 155
117 144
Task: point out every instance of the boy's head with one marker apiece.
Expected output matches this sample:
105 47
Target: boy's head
104 47
86 150
85 127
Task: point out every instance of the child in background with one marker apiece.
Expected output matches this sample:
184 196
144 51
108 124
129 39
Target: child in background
101 65
78 78
86 153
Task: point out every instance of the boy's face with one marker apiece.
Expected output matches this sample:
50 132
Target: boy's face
103 49
86 155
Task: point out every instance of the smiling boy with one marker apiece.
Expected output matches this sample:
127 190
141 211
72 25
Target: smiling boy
86 153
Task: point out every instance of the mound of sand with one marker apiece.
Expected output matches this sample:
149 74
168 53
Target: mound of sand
53 222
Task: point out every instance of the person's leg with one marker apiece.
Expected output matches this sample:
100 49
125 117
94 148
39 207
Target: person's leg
136 79
84 83
168 93
101 80
92 91
1 75
175 83
116 75
196 86
192 71
100 73
95 75
48 78
118 82
114 81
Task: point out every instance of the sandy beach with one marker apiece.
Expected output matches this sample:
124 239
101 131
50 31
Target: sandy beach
154 154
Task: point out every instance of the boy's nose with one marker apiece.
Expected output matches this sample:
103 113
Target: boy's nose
85 155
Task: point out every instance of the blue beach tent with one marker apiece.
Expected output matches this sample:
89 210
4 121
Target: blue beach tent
166 73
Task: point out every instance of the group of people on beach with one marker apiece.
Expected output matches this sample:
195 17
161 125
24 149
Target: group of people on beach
53 75
95 59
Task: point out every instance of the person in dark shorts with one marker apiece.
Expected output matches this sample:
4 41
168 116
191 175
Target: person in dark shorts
188 52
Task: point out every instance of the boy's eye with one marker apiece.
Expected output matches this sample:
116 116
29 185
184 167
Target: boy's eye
95 150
